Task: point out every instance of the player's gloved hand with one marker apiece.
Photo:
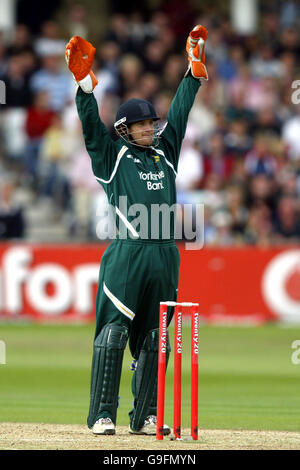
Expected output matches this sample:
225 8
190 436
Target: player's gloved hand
79 57
195 46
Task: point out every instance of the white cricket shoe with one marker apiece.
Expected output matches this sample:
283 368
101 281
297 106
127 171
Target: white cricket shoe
149 427
104 426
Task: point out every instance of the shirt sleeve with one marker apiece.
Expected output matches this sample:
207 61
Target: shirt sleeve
100 146
174 131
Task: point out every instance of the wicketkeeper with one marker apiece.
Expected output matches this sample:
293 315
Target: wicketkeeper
139 271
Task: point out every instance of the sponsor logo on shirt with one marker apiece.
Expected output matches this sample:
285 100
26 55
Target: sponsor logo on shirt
153 180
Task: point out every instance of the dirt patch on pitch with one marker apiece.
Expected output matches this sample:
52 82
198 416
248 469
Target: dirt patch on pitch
20 436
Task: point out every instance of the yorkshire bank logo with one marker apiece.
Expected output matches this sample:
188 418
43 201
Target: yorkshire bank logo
150 176
153 180
281 285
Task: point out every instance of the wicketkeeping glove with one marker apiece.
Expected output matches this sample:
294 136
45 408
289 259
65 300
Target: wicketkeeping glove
195 46
79 57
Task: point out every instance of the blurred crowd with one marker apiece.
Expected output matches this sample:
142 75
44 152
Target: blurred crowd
241 153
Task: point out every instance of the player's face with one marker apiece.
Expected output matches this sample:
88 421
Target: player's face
142 132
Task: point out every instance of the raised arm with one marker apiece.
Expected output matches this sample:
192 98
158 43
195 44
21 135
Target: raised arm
174 131
101 148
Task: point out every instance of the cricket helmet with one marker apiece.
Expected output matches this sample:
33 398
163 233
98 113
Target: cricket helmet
132 111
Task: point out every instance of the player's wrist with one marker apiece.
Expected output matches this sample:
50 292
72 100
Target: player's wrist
88 83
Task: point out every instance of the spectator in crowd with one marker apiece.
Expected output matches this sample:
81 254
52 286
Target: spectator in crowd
139 32
287 220
108 67
264 64
12 221
159 21
203 116
209 228
162 103
266 122
291 134
148 86
229 66
223 235
285 109
18 92
77 22
288 13
131 68
235 205
270 27
52 79
154 56
216 50
259 159
39 118
259 229
217 161
288 181
288 62
289 41
49 42
215 96
242 92
21 41
83 186
237 140
180 15
212 194
261 191
55 152
118 31
2 58
173 72
190 167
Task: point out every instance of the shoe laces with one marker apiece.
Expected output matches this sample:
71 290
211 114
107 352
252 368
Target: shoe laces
150 419
104 421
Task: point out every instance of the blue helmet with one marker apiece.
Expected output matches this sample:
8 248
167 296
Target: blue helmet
136 110
132 111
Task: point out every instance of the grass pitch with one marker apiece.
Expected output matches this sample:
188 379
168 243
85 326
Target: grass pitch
246 377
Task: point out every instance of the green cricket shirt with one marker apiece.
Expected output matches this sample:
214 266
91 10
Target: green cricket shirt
132 176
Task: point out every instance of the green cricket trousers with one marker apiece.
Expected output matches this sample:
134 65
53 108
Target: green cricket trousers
135 276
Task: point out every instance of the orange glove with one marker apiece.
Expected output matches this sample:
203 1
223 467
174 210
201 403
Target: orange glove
79 57
195 46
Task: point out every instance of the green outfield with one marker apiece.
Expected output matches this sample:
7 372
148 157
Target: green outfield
246 377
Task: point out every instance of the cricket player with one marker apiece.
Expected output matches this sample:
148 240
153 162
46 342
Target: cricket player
140 270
